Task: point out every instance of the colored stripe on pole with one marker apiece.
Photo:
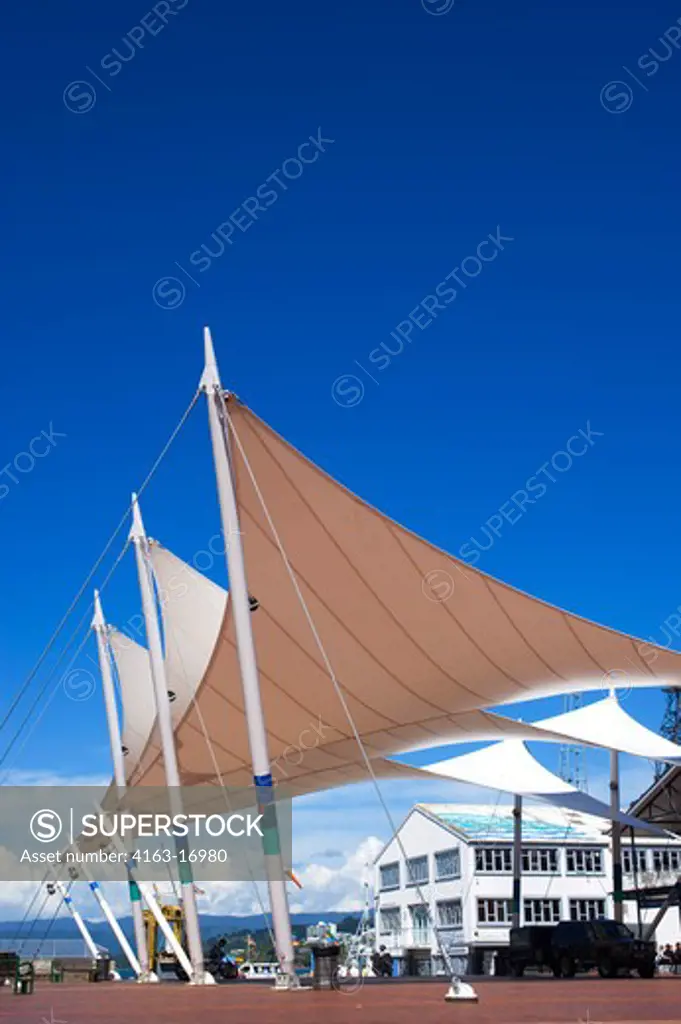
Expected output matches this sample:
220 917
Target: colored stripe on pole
266 806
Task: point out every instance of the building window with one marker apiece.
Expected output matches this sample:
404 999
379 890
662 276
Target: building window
586 910
447 865
417 870
538 860
666 860
494 911
494 860
584 860
628 861
390 920
420 923
541 911
390 876
449 913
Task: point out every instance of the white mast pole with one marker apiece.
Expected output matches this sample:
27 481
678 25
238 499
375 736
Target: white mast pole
160 918
80 923
99 626
165 724
115 926
239 599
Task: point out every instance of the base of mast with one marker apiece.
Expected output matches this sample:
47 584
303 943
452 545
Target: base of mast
206 979
148 978
460 992
287 983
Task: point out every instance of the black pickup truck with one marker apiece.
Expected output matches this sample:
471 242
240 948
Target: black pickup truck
572 946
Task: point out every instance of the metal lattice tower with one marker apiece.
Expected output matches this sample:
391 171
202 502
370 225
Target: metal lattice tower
572 764
671 723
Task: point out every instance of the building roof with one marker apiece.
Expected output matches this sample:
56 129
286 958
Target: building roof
475 822
661 802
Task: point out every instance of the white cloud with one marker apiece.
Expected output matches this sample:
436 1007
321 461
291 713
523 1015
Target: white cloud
340 886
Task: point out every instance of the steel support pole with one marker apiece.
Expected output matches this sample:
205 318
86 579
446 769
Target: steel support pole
149 898
104 654
618 907
634 865
165 726
78 920
241 612
517 861
115 927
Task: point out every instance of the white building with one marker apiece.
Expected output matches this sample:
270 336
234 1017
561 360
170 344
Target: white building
458 879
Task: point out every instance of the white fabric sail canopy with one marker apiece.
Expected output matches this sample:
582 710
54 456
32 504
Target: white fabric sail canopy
510 767
605 723
137 696
138 702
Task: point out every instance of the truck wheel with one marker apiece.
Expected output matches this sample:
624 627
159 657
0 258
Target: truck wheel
517 970
646 970
567 966
606 968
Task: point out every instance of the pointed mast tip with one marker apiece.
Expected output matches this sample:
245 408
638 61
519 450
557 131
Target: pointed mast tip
98 617
137 528
210 378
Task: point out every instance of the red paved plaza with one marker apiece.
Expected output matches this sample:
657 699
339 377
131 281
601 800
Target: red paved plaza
585 1001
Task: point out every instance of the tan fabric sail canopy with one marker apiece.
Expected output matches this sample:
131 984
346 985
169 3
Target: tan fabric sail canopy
507 766
193 609
419 642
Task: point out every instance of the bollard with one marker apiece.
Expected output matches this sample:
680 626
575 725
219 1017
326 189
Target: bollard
56 972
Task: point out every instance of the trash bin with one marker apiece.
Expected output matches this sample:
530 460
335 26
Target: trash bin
24 982
101 969
326 966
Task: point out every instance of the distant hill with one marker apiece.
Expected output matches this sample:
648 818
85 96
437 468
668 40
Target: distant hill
211 925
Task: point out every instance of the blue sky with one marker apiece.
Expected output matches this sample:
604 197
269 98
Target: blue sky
446 127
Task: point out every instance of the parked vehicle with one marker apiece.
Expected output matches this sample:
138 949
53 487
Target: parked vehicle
606 945
572 946
530 947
